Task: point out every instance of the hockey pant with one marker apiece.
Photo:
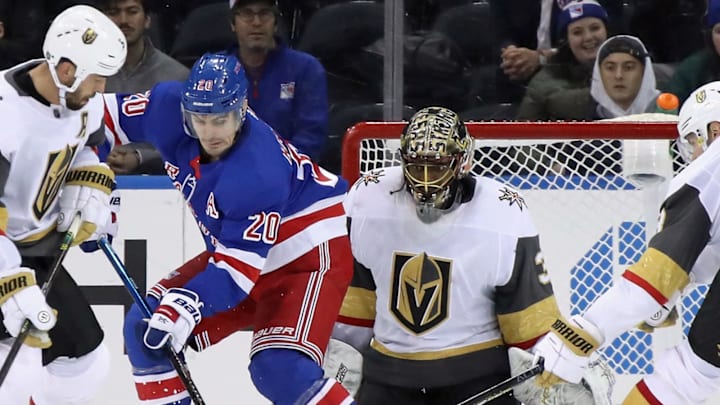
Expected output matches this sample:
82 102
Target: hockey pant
291 311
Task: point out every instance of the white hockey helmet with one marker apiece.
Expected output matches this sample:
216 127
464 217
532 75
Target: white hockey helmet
89 39
697 112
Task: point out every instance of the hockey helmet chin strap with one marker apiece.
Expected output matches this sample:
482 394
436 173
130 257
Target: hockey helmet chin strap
62 90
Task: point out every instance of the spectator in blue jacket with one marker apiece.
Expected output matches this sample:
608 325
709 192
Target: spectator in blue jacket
288 88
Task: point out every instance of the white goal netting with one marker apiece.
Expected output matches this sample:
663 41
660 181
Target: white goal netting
593 221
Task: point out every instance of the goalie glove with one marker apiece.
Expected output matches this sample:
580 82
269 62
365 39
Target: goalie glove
595 387
20 299
86 190
343 363
566 349
174 319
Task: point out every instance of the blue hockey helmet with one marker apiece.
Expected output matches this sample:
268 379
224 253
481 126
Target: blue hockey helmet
216 85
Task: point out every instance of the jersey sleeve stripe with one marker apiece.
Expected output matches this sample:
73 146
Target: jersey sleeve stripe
658 274
525 326
114 132
358 304
290 228
242 266
251 258
243 275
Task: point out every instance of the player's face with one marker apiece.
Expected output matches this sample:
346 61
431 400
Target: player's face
254 26
585 37
130 17
216 132
713 131
716 37
92 85
622 77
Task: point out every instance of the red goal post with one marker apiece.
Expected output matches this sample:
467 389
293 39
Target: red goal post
352 142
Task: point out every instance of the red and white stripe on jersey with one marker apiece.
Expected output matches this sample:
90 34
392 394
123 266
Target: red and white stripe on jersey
113 131
301 232
298 339
331 393
242 265
160 389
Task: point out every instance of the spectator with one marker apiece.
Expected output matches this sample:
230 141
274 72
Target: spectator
288 88
22 24
561 89
623 81
702 66
526 41
145 65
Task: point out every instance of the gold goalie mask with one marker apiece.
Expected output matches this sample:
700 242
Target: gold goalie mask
436 151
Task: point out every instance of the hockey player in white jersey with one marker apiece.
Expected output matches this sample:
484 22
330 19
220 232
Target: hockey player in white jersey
684 249
448 272
51 118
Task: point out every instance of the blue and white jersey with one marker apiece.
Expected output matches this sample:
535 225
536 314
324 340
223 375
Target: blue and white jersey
259 207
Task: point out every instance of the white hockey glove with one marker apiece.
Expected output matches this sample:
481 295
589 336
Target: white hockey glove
110 228
343 363
566 349
595 387
87 190
20 299
174 319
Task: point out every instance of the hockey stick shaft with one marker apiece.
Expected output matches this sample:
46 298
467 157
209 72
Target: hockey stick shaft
177 362
504 387
25 328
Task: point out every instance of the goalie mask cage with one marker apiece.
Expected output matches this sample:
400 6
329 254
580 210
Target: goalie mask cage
592 220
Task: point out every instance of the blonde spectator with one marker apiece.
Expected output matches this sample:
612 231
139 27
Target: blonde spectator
623 81
561 89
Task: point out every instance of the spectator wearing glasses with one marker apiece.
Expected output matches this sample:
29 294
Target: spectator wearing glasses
288 88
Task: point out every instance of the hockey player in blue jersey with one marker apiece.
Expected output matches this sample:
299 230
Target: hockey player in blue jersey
278 257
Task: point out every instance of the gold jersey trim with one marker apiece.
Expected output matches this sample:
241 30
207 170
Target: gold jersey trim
359 303
531 322
37 236
660 274
3 219
440 354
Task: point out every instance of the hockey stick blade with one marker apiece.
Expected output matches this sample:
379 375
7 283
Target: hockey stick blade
177 363
25 328
506 386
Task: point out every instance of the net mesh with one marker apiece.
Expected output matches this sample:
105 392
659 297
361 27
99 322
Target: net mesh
593 223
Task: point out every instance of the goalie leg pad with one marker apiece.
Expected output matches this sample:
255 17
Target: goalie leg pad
68 381
289 377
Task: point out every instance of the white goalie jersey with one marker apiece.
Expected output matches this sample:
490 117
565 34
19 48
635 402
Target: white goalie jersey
446 295
39 144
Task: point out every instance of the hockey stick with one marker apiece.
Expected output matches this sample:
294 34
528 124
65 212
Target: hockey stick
25 328
504 387
177 362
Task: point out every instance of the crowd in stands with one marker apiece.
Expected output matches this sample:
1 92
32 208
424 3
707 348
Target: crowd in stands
316 66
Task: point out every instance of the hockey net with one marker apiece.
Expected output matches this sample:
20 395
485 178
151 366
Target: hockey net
593 221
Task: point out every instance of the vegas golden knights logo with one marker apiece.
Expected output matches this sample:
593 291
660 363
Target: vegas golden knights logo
89 36
419 293
58 165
